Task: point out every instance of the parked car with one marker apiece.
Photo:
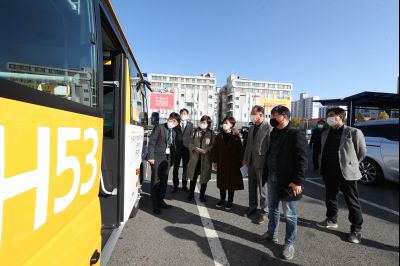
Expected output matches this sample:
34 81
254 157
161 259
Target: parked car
382 161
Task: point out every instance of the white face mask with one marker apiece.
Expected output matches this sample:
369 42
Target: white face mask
203 126
331 121
184 117
170 125
226 126
320 126
253 118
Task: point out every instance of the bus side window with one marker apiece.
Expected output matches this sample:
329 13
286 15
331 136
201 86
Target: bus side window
108 111
52 52
144 117
136 102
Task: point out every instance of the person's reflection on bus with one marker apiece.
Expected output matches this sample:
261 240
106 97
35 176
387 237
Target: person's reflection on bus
160 156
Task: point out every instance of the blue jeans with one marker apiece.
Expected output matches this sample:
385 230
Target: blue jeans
289 209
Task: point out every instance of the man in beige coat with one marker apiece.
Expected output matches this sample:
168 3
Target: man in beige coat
254 159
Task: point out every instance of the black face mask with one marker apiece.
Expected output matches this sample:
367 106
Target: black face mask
273 122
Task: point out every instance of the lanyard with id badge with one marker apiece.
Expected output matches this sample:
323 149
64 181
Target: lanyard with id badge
169 143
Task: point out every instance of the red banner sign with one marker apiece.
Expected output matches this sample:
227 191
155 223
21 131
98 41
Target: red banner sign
162 101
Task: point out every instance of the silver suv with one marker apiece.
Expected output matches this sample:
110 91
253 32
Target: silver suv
382 161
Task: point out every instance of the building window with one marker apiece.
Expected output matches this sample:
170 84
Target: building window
182 95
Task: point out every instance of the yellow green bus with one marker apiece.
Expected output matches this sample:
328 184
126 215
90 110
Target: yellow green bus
73 111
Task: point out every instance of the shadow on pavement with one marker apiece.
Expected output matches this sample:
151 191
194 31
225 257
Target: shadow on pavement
177 215
343 236
243 257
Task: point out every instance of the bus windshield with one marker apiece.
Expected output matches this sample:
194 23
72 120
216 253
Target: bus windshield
48 45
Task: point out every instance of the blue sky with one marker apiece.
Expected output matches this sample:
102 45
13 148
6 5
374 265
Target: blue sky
329 48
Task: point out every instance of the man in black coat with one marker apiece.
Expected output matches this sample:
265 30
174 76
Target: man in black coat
286 166
315 142
183 134
160 155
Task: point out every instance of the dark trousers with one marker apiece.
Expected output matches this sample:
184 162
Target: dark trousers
231 193
333 183
181 154
193 182
159 180
203 187
315 156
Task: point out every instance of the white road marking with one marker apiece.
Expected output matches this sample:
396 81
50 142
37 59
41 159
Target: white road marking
217 251
215 180
360 199
211 180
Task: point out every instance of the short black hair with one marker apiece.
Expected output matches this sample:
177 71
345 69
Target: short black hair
207 119
281 110
321 121
258 109
175 116
230 119
184 110
338 111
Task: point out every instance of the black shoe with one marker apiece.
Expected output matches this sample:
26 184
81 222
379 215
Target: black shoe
269 237
261 219
185 188
220 203
250 212
203 198
157 211
354 237
228 206
165 205
190 196
175 189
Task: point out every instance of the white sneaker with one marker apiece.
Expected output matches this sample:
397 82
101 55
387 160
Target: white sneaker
328 224
288 251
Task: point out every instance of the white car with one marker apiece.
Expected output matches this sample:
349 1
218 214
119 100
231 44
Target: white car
382 161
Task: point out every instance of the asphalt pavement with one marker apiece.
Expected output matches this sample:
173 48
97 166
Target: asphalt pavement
181 236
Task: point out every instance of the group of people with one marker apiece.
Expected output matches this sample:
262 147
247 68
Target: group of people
275 158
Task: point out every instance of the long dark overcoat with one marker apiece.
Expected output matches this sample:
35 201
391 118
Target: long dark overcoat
228 156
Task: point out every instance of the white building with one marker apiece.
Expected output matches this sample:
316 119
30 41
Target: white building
171 93
323 111
239 95
306 107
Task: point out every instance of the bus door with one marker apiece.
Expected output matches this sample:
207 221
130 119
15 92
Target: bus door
111 193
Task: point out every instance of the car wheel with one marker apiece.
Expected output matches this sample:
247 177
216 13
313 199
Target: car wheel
371 172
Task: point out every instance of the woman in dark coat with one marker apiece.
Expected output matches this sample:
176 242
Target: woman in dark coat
227 155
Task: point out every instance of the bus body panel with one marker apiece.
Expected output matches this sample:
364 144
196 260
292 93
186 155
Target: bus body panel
134 136
49 183
133 157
